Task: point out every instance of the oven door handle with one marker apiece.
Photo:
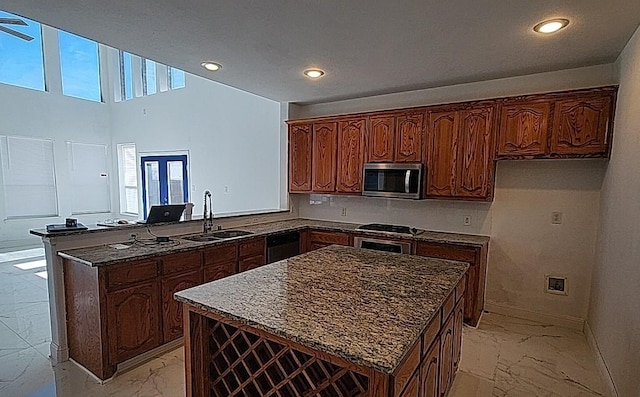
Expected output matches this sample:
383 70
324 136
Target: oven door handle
407 179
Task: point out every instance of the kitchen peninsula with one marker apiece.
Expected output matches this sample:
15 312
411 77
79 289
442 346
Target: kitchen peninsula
335 321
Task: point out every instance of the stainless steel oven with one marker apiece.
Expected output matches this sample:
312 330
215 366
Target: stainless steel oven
378 244
392 180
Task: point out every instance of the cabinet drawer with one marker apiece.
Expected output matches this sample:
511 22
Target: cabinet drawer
447 306
182 262
251 247
431 332
221 254
251 263
131 273
218 271
328 238
447 251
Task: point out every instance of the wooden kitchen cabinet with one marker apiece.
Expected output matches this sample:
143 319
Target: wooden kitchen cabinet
408 145
133 321
429 371
474 289
323 157
220 261
458 319
251 254
381 139
300 143
524 128
319 239
172 319
581 125
351 136
460 153
447 341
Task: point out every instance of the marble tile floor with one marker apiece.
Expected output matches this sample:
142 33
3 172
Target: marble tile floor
505 356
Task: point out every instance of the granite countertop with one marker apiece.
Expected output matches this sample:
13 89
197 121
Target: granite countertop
102 255
368 307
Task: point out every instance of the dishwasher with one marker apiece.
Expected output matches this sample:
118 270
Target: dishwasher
282 246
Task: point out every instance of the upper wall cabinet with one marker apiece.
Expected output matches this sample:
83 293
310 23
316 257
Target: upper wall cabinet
323 157
557 125
381 139
300 158
459 154
351 136
395 137
409 137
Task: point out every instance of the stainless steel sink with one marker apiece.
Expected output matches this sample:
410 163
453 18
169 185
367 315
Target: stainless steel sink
201 238
230 233
219 235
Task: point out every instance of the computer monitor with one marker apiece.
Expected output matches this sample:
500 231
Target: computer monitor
165 213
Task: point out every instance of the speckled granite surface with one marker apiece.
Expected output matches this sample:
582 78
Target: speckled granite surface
105 254
365 306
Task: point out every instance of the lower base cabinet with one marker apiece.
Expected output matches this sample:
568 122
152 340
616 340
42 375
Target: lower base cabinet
172 323
429 372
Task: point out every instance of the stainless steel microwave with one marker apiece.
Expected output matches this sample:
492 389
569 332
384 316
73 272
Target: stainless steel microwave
392 180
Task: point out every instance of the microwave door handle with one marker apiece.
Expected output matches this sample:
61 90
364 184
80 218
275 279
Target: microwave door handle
407 178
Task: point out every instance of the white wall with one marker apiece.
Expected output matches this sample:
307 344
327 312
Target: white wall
525 246
29 113
233 140
614 311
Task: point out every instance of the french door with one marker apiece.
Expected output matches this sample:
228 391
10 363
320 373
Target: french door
164 181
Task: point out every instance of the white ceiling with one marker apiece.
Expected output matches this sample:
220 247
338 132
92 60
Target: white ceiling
366 47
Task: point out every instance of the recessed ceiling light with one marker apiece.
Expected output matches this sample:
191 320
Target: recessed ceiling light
314 73
551 25
211 66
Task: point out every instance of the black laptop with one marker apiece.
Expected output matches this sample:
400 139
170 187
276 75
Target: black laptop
164 213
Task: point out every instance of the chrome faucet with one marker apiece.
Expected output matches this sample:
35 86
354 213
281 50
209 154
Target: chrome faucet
208 218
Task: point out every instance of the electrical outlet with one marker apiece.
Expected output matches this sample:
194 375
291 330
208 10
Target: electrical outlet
344 211
556 218
466 221
226 189
556 285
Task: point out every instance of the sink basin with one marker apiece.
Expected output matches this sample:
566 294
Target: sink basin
230 233
201 238
219 235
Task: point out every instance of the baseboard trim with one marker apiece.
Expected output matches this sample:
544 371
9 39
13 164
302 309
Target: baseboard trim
605 375
562 321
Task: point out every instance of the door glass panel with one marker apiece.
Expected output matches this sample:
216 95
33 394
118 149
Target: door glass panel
152 172
175 182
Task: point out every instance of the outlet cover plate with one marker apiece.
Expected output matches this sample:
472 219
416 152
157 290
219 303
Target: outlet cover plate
556 285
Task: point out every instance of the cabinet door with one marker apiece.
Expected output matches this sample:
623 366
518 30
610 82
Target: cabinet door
380 142
458 317
350 155
446 361
219 270
172 309
442 153
429 372
580 126
475 157
300 158
409 138
133 316
323 161
524 129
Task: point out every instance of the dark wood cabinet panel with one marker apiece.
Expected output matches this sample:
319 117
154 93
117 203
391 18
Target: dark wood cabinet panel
125 274
475 279
319 239
446 359
458 318
413 389
300 158
251 262
172 319
134 325
323 157
220 270
524 128
404 375
442 153
251 247
429 372
580 126
408 147
181 262
475 160
221 254
380 141
350 155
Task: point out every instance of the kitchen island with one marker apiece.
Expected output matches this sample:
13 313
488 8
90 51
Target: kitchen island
335 321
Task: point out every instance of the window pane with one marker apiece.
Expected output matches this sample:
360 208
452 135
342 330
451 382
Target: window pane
150 77
80 67
28 177
128 177
176 182
153 183
127 76
21 61
176 77
131 200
